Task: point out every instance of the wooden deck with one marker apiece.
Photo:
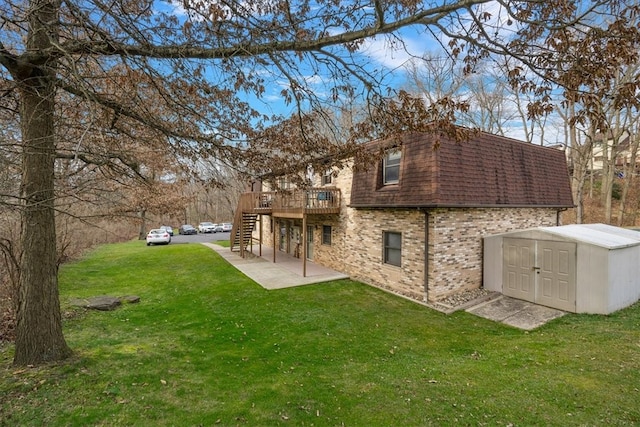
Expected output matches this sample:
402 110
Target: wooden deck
296 204
293 204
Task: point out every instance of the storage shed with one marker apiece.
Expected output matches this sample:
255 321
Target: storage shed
580 268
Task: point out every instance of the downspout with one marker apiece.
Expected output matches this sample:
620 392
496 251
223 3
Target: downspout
261 231
558 215
426 255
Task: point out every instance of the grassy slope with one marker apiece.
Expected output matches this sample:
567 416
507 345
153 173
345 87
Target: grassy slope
206 346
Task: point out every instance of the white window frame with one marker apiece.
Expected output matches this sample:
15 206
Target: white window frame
327 177
391 161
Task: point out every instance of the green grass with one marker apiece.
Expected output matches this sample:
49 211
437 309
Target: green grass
223 243
208 346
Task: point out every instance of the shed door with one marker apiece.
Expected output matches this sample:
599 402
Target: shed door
556 284
518 268
543 272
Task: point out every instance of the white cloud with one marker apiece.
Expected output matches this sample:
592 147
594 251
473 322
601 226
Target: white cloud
393 52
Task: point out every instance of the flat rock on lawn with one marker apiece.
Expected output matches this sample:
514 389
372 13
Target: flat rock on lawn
105 302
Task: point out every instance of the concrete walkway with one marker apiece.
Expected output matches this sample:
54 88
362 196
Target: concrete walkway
286 272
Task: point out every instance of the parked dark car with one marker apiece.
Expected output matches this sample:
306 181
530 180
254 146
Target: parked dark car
187 229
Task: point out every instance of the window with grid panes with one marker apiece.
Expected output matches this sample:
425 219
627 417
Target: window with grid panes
392 251
326 235
391 167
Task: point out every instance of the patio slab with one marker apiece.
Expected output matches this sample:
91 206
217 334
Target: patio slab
286 272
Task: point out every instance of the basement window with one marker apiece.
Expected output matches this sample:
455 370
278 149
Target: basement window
326 235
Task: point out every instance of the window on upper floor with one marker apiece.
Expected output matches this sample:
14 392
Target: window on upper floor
392 248
391 167
284 183
327 177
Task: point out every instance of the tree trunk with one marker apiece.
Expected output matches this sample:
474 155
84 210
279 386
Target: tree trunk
580 155
142 231
39 330
608 195
39 335
606 181
629 174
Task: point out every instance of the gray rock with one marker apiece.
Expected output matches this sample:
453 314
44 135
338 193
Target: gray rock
130 299
105 302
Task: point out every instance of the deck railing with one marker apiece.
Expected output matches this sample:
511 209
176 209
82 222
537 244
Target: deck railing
310 201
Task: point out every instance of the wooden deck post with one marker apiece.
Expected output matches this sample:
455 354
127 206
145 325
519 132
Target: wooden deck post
304 245
276 227
260 236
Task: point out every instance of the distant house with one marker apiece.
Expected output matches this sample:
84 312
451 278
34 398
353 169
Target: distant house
413 223
617 151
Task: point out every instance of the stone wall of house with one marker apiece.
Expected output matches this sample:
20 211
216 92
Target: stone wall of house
455 243
267 239
333 255
356 242
455 246
454 250
364 249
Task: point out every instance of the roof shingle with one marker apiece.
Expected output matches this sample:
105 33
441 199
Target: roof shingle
484 171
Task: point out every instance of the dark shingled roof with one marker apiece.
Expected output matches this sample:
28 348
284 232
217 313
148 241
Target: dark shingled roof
484 171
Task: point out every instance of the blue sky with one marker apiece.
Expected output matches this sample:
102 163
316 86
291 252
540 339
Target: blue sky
382 54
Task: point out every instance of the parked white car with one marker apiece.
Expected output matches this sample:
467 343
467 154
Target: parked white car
227 226
207 227
158 236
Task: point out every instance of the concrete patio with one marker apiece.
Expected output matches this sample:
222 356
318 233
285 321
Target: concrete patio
286 272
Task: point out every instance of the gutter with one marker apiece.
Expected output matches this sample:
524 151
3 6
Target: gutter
459 206
560 210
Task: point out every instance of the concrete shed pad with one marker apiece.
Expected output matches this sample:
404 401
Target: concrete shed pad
517 313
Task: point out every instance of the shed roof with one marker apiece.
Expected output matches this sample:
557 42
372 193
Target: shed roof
485 171
603 235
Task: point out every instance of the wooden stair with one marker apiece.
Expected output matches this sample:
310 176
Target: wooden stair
241 234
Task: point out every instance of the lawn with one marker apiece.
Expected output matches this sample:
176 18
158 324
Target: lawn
208 346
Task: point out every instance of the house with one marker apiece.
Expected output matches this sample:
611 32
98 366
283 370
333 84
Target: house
413 222
616 151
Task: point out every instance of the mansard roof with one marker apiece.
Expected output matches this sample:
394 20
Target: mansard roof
484 171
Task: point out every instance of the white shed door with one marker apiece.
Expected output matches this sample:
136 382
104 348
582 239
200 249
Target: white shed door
543 272
519 274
